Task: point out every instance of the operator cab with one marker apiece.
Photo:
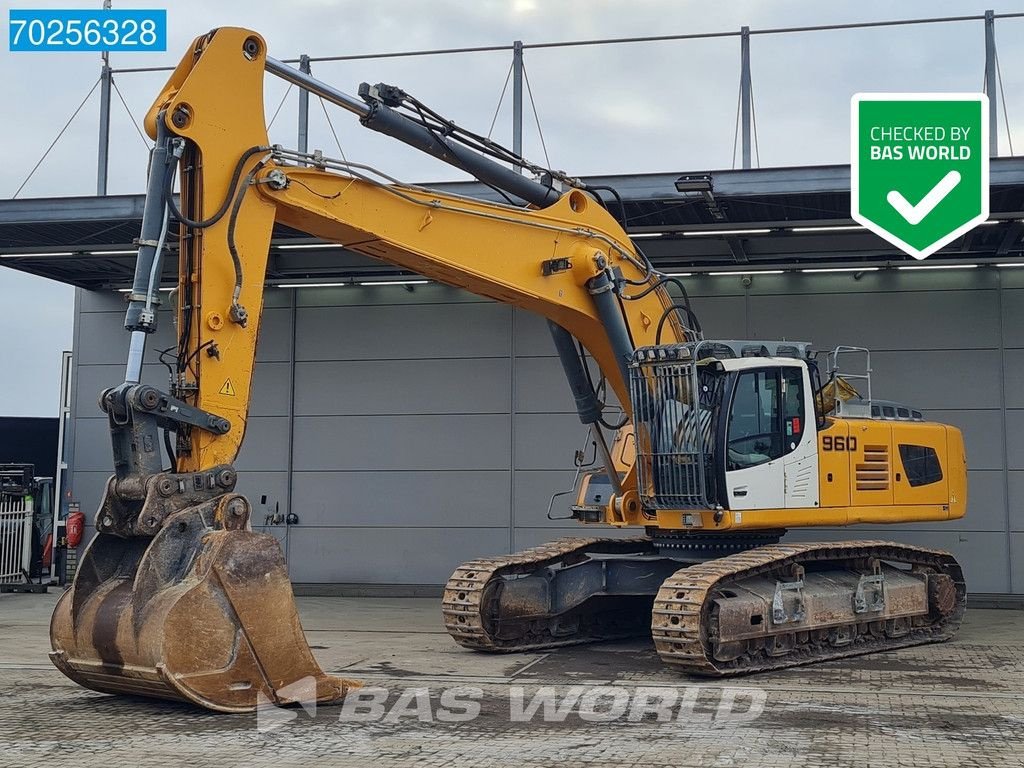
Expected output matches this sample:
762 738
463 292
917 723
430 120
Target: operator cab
769 443
727 424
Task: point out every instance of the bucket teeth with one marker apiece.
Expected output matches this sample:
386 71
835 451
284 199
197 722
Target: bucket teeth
196 614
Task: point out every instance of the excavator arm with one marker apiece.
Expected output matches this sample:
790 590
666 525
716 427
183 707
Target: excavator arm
174 551
569 261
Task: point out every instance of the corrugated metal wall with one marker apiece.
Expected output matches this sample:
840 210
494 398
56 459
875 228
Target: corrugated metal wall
421 429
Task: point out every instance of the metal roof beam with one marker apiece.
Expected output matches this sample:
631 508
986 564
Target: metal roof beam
777 199
736 246
1010 236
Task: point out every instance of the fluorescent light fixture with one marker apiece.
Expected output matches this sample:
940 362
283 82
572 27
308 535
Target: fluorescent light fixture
678 274
311 285
712 232
33 255
111 253
941 266
750 272
1009 264
844 228
646 234
840 269
308 245
989 223
395 282
129 290
700 182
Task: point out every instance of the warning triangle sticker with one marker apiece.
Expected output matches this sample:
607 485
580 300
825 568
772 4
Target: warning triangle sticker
228 388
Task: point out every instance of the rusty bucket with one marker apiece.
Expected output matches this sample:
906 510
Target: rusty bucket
200 612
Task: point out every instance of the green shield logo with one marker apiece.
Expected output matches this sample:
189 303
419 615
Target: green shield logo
919 166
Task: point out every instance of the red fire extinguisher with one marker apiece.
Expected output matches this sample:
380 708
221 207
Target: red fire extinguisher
48 550
75 528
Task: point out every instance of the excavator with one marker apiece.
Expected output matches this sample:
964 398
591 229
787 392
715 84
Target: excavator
714 449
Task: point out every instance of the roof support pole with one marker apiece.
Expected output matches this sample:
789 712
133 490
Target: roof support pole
990 83
745 95
103 153
303 137
517 98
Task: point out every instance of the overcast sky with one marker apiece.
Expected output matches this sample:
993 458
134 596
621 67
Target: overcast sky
609 109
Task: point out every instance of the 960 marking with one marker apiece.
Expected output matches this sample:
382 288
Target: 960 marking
838 443
84 30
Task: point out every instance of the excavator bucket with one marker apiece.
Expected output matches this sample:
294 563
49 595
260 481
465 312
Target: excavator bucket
200 612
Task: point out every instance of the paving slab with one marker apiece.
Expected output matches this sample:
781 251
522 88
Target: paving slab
429 702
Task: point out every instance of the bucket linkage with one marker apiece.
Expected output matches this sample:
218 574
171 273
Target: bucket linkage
176 597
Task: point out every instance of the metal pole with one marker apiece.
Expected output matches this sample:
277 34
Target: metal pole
63 444
304 106
106 78
990 83
745 94
517 99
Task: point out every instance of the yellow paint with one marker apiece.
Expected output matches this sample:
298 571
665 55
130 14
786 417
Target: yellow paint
755 519
833 466
956 464
223 93
926 434
874 441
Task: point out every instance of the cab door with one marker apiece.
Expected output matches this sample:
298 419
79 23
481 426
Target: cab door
754 467
771 452
799 439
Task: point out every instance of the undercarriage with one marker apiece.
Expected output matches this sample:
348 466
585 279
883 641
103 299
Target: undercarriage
715 605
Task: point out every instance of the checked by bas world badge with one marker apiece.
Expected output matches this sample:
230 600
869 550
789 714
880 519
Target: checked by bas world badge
919 166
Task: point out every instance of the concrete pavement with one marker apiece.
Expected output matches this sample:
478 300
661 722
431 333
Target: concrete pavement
433 703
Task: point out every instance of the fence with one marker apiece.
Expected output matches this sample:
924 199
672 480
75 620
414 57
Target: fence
15 538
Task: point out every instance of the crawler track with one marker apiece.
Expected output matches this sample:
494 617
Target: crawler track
684 618
471 598
685 632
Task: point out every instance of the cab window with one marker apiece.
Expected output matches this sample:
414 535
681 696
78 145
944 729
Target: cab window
754 433
793 412
921 464
767 416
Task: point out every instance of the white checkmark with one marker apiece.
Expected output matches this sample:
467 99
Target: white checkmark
916 213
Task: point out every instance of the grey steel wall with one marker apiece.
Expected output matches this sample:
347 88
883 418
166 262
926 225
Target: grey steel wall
411 431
